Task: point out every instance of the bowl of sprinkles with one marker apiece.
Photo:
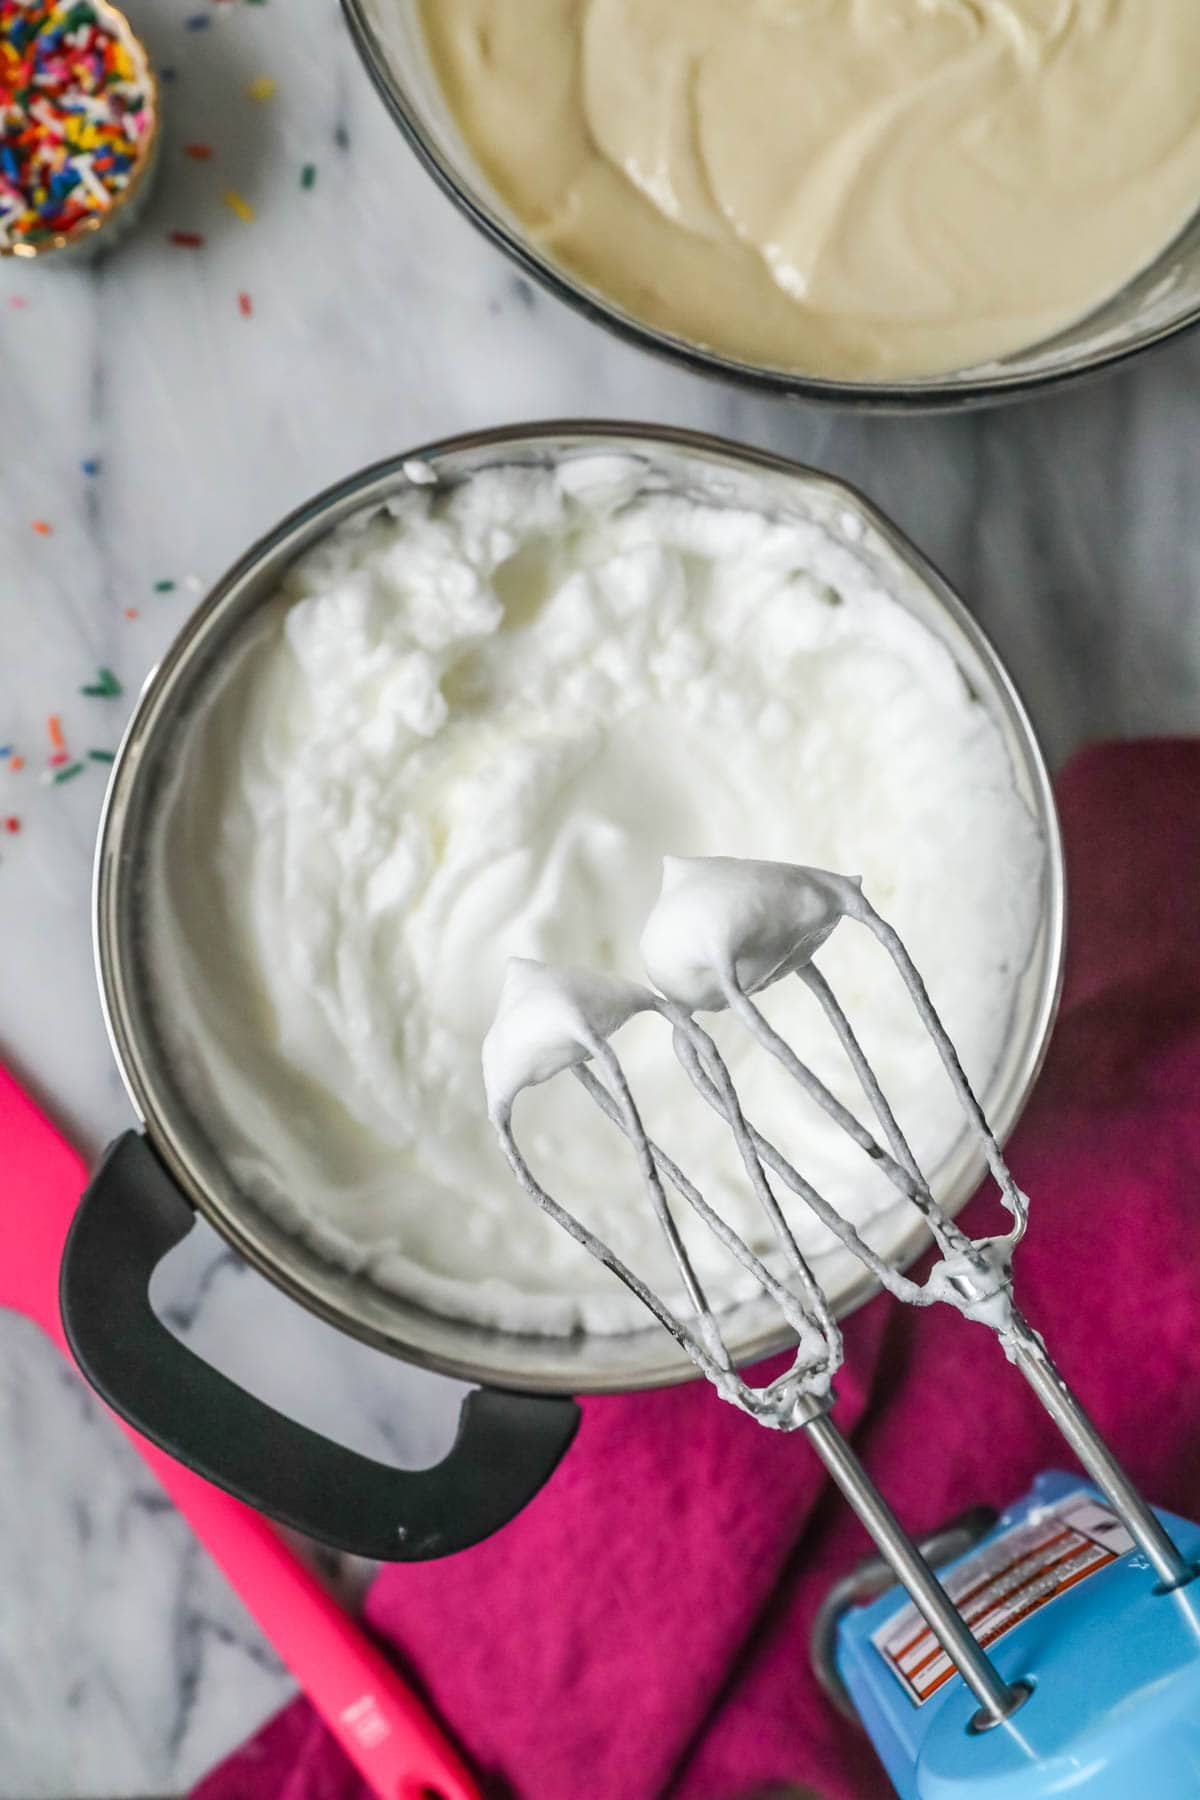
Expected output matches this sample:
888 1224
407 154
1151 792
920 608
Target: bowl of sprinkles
78 124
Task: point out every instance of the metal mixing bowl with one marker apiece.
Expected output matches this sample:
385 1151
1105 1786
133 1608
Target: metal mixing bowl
722 473
1163 300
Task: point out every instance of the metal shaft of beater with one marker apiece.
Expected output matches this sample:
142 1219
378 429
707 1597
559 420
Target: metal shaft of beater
1038 1368
924 1589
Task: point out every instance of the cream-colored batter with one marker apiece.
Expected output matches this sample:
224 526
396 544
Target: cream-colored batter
864 188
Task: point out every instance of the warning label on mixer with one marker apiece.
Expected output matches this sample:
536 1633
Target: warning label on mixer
1003 1582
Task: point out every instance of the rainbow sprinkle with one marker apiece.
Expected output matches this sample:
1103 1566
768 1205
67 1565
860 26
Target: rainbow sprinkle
105 687
75 117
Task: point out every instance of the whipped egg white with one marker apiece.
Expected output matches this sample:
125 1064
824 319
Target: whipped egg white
468 728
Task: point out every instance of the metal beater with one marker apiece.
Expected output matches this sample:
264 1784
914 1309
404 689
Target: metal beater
773 919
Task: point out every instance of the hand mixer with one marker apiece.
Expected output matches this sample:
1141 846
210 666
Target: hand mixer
1097 1693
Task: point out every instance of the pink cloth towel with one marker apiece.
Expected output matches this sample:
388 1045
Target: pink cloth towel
642 1629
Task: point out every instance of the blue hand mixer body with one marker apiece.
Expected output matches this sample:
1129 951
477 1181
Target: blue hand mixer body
1066 1603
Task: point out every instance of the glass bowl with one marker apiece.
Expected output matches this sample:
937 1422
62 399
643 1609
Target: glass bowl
1161 301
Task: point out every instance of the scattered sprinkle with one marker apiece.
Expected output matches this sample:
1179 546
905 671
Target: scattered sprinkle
198 152
197 22
187 240
76 117
193 584
164 587
245 305
102 756
105 687
90 466
341 137
236 204
6 750
12 824
262 87
42 528
131 612
16 764
58 759
69 773
18 302
54 727
308 175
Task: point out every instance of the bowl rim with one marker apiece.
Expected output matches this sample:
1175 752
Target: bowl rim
329 1294
926 393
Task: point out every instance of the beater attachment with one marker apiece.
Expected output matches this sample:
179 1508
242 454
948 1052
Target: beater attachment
722 931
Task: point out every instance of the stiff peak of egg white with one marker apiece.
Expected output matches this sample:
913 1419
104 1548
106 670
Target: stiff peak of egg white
717 918
549 1019
725 920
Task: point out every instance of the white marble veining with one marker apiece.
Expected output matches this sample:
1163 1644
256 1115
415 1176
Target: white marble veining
379 320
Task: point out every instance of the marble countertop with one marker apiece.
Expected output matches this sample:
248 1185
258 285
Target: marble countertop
377 319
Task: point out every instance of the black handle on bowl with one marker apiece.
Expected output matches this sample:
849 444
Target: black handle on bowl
508 1445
